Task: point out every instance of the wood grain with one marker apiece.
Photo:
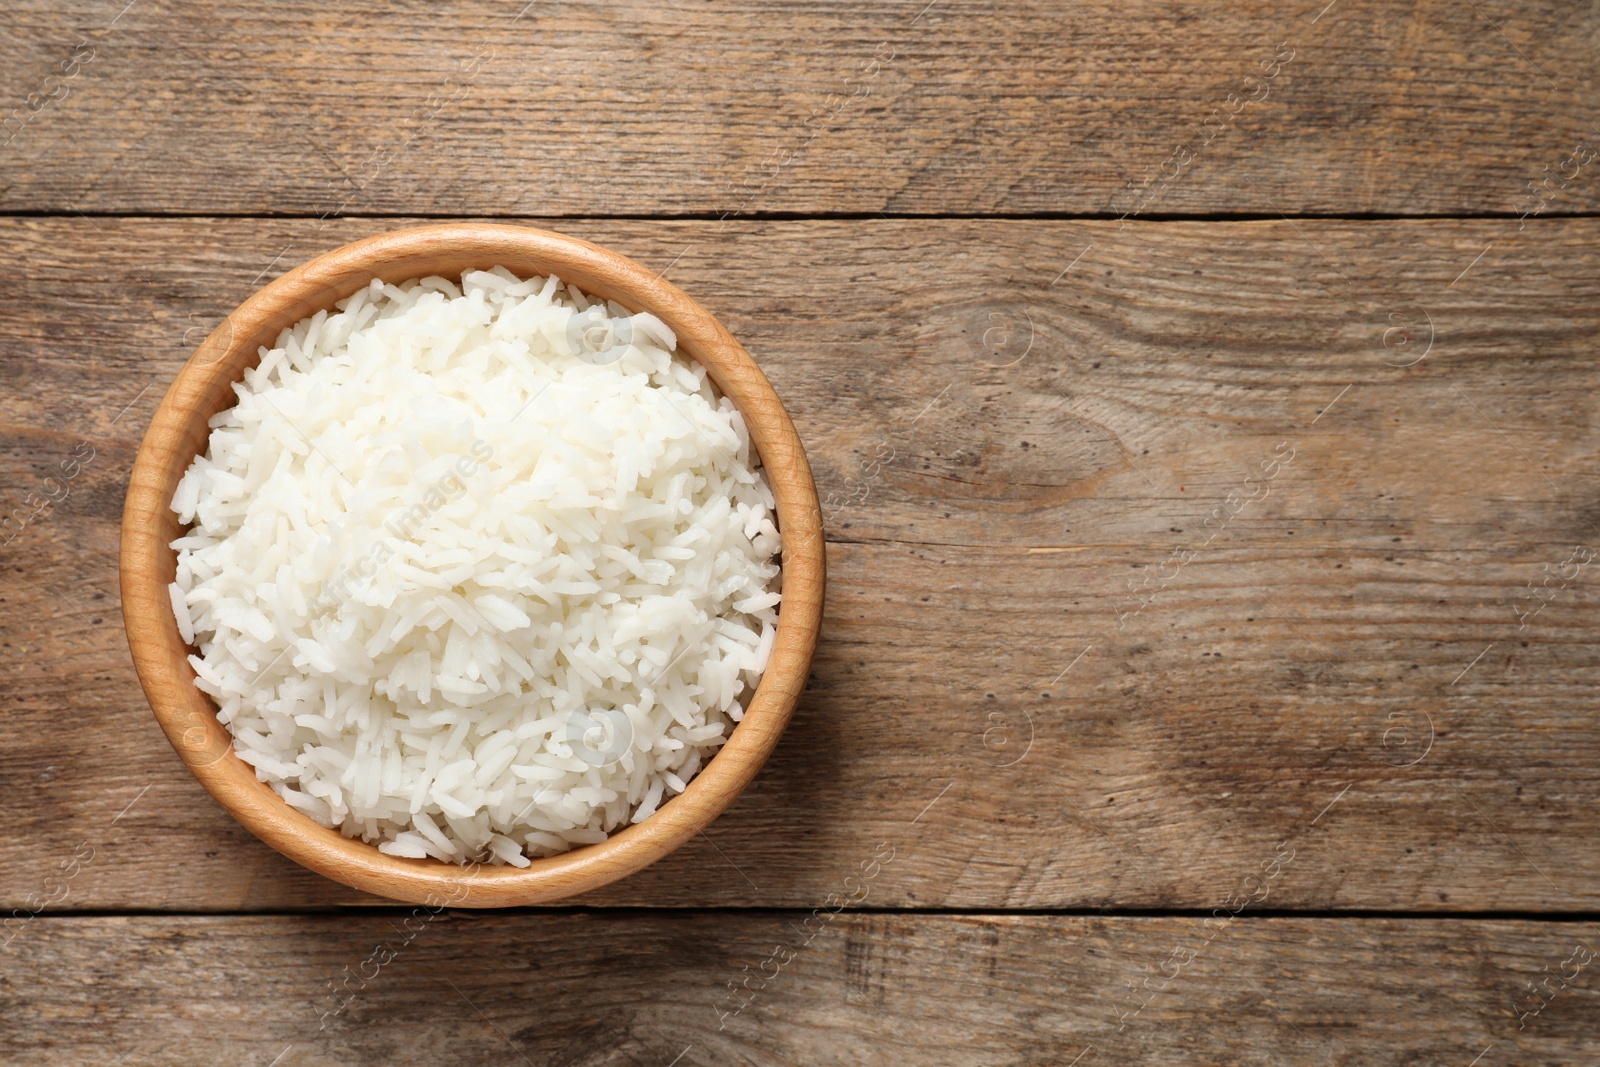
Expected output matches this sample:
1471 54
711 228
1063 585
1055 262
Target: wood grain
1337 667
654 988
955 107
1234 571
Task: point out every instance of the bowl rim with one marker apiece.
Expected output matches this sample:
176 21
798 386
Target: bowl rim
178 432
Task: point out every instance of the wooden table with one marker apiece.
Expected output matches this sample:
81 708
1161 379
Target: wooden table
1204 401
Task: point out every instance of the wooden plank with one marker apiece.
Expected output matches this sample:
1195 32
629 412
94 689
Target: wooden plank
1339 668
790 988
958 107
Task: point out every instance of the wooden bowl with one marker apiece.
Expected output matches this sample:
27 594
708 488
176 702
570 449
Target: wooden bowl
179 432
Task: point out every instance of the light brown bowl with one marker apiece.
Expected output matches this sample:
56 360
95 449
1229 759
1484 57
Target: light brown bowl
179 432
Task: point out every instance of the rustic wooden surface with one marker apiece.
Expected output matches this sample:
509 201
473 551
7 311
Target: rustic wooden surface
519 108
614 988
1306 650
1097 657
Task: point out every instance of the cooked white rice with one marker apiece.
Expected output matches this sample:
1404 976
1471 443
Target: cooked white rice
477 571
